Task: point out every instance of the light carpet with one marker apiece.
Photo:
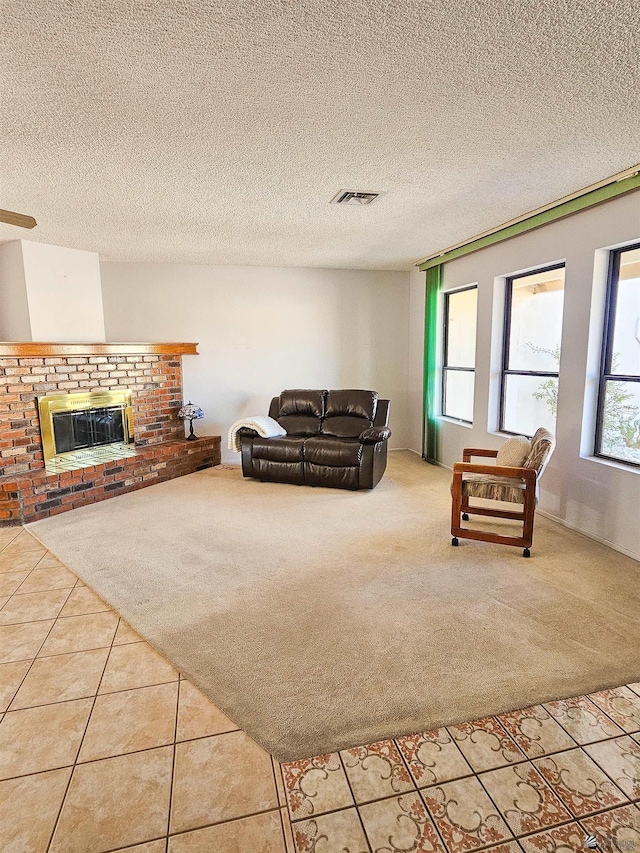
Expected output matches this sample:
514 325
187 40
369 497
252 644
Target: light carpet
319 619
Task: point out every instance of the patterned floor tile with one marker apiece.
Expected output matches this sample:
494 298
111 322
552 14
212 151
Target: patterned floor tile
260 833
135 665
579 782
54 577
7 535
158 846
125 634
29 807
14 562
584 721
433 757
622 705
198 716
316 785
80 633
376 771
277 773
338 832
485 744
220 778
62 677
524 800
616 831
49 560
115 802
82 601
569 838
22 642
287 831
11 675
400 824
465 816
33 606
52 733
620 760
635 687
24 542
11 581
129 721
535 731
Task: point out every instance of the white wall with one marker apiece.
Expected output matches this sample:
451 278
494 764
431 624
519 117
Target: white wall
15 324
49 293
263 329
63 288
594 496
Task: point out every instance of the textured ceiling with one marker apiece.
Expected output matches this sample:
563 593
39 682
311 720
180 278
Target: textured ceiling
217 132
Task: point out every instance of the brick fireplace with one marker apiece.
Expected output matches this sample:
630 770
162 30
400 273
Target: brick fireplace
153 374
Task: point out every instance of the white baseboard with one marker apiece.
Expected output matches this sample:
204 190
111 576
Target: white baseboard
599 539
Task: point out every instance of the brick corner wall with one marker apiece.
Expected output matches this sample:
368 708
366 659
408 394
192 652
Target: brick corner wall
156 385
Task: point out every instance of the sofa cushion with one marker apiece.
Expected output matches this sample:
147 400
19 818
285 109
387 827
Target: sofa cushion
349 412
279 472
301 411
329 450
284 448
332 476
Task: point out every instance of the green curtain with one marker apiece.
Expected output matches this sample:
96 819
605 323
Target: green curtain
430 424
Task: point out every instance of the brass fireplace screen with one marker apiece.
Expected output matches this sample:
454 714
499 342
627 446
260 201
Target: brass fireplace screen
74 421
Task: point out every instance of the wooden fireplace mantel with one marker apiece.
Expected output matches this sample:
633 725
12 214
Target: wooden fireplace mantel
30 349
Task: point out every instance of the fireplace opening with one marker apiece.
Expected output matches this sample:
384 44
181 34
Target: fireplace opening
86 428
77 430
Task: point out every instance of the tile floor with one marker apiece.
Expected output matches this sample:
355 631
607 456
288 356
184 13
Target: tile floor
104 747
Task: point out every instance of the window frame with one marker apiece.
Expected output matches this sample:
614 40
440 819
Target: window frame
606 355
445 353
506 342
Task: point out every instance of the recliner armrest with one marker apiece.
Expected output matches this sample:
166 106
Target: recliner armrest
250 433
375 434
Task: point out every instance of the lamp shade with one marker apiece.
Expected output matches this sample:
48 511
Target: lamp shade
190 412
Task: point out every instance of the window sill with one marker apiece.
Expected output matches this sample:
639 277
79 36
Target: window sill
506 435
454 421
611 463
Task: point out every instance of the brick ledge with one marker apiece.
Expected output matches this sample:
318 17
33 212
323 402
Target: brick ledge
30 497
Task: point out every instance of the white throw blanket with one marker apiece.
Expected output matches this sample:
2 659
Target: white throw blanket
263 425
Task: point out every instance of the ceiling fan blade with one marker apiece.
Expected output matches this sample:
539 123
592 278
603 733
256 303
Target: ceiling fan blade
18 219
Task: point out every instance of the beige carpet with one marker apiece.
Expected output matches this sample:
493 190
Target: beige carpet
319 619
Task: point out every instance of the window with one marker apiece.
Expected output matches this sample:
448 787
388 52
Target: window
531 350
618 421
459 356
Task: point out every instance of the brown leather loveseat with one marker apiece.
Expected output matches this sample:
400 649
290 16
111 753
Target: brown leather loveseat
334 438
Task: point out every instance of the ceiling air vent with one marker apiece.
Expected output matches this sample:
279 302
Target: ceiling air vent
354 198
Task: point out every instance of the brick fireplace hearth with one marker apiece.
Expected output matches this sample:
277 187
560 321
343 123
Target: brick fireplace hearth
153 373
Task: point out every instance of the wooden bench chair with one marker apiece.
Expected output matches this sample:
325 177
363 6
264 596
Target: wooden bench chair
513 485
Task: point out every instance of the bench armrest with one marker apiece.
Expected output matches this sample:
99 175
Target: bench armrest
468 452
527 474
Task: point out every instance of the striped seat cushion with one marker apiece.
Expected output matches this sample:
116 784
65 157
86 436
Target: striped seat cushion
510 489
